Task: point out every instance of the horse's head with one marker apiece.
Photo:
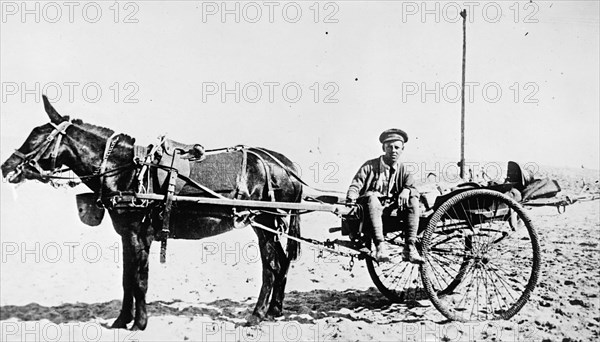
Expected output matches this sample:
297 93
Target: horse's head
42 151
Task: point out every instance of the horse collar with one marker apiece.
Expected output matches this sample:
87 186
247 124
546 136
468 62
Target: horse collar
110 145
111 142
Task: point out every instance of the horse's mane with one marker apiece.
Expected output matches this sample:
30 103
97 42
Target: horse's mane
102 131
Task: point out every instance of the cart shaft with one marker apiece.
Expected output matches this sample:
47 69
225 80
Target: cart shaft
333 208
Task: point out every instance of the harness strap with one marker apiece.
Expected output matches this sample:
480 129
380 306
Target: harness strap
242 180
270 191
226 149
56 135
166 227
289 171
55 150
146 162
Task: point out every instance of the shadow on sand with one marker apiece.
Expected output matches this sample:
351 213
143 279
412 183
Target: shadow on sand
315 304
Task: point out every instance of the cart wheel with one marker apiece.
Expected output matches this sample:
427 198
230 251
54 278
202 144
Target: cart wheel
396 279
477 267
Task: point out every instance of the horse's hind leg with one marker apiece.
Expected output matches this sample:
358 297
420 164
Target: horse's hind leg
126 314
284 259
276 305
270 267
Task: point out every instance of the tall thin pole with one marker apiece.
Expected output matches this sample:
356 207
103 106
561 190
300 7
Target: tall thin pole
463 14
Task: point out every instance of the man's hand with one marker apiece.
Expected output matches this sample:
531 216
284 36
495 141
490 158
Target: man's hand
350 201
403 198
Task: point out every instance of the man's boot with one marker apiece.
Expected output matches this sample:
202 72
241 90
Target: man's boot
411 254
374 212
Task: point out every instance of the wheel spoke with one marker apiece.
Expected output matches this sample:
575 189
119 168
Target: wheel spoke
498 295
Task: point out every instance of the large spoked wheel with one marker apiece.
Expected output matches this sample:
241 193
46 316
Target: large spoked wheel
479 265
396 279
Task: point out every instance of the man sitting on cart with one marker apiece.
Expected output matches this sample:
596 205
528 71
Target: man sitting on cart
382 184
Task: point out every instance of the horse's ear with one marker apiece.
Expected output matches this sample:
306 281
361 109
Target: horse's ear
52 113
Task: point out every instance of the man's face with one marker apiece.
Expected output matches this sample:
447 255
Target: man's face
393 150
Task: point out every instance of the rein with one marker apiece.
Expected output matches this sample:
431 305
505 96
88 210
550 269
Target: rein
87 177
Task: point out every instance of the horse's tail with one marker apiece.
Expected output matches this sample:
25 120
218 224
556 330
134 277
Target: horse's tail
293 246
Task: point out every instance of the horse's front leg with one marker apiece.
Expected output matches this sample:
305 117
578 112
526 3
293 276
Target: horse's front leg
137 238
126 314
140 287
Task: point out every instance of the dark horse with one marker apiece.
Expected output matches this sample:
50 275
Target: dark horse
82 148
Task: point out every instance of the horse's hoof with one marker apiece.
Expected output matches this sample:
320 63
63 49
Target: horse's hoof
119 324
138 326
252 320
135 327
274 313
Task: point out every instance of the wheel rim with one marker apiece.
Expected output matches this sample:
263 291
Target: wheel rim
477 267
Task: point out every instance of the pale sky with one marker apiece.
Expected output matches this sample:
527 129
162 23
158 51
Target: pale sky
381 64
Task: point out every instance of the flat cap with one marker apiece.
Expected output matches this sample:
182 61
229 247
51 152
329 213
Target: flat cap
393 134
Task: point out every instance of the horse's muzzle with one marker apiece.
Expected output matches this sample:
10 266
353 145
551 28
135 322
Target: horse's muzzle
15 171
9 167
14 177
13 174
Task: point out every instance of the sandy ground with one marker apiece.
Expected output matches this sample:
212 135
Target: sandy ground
61 281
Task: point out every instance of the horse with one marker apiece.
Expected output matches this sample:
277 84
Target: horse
103 161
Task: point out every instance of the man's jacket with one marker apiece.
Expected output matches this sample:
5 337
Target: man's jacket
374 175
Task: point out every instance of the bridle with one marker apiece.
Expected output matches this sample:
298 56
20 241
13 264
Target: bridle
32 157
55 137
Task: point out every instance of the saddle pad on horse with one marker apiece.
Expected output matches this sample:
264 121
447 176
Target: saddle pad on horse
220 172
